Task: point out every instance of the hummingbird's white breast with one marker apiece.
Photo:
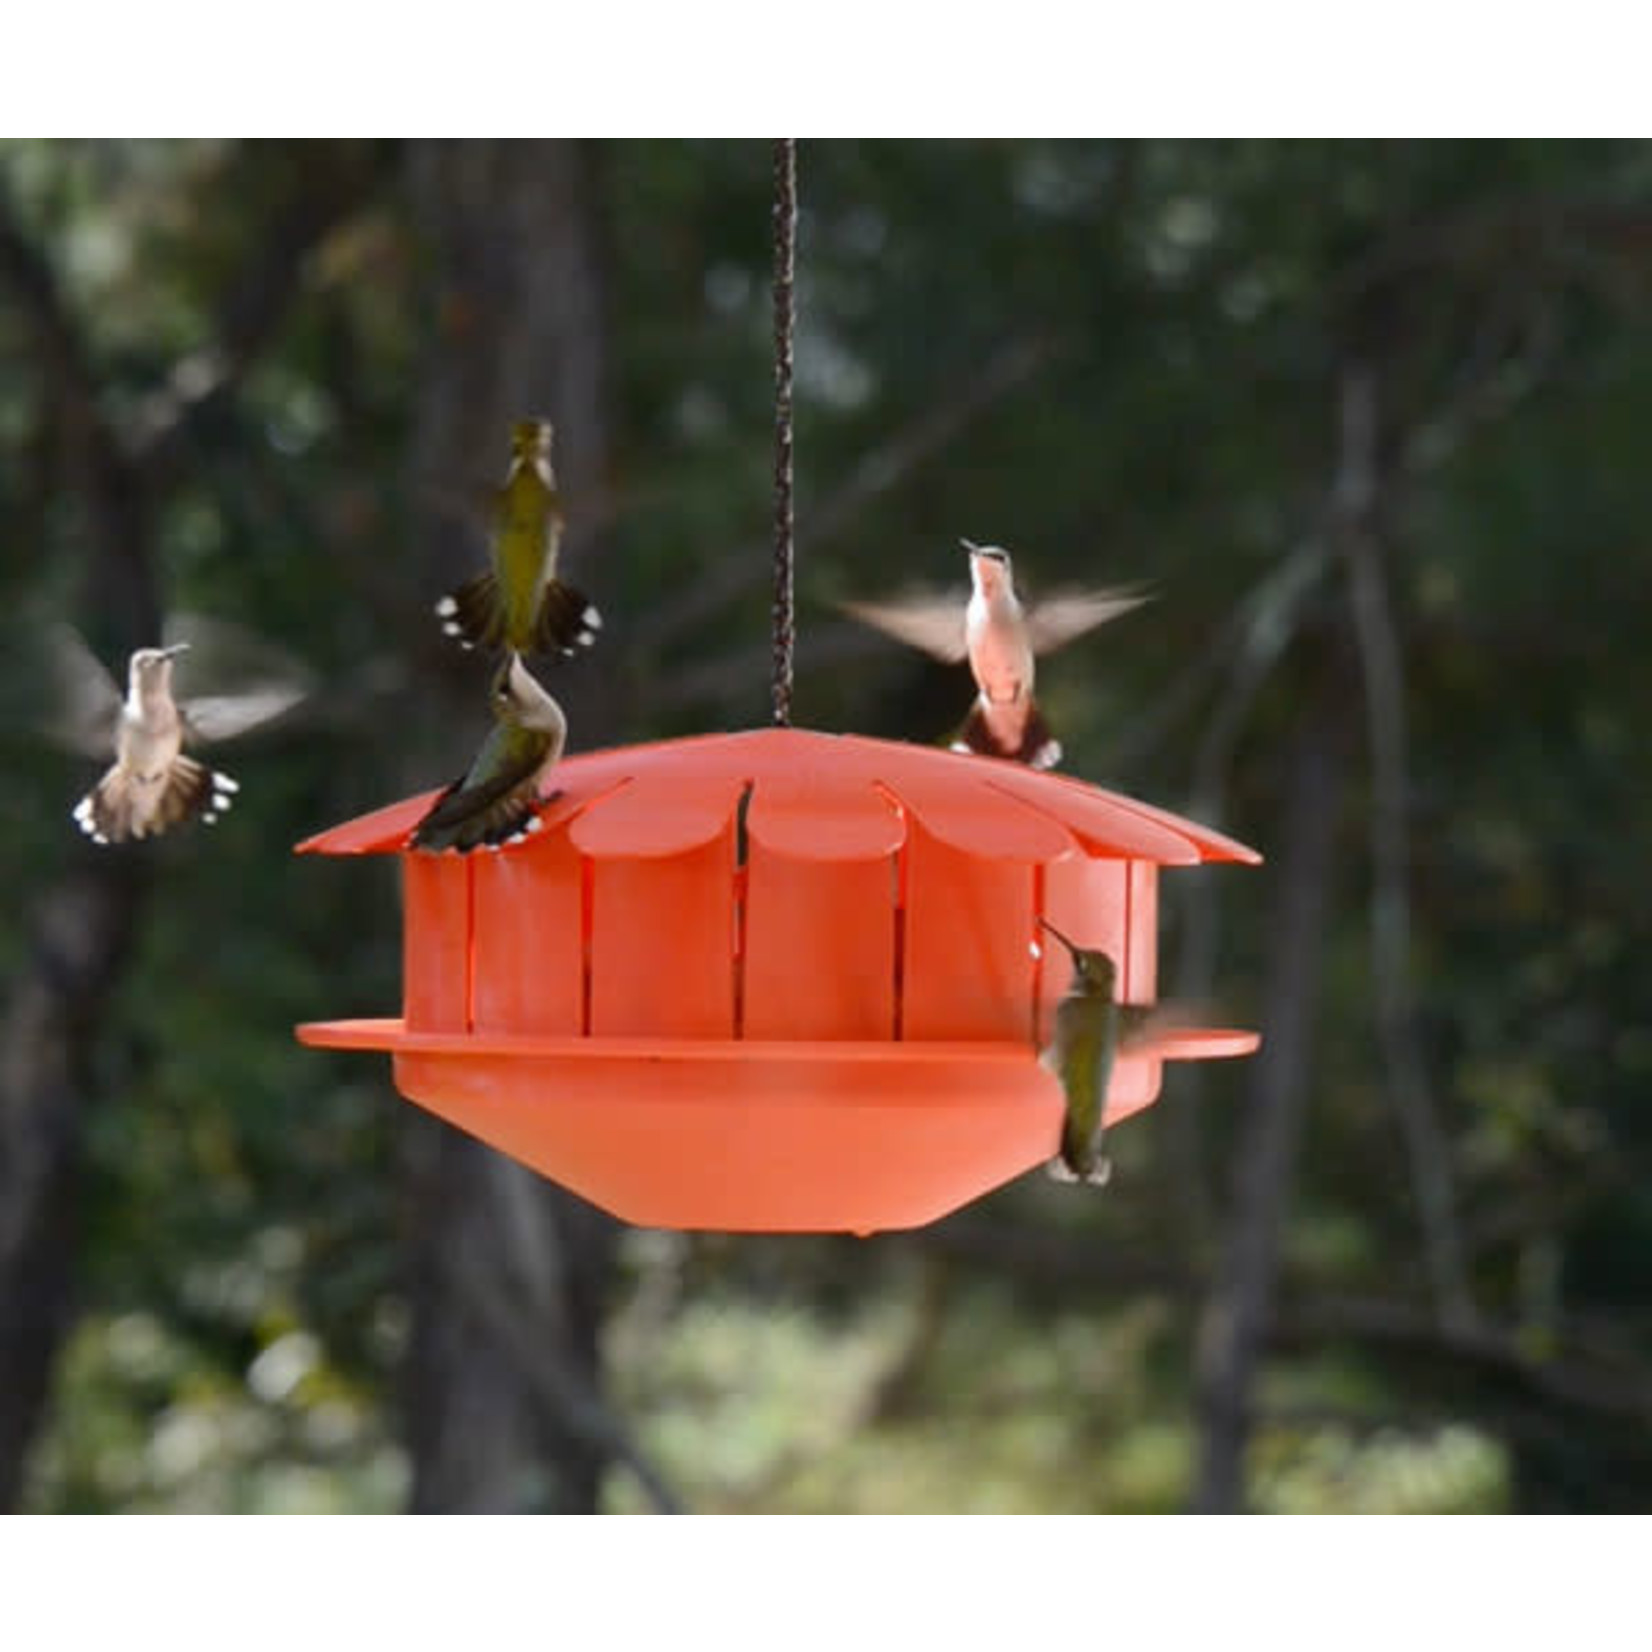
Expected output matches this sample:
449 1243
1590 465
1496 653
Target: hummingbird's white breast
1000 653
147 742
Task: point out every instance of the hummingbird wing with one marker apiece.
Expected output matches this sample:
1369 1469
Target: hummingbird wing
471 500
1141 1023
211 717
232 680
227 656
1064 615
82 699
933 623
492 803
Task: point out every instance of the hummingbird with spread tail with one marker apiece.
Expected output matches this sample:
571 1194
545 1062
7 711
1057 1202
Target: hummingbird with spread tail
494 801
1091 1027
519 604
153 785
1001 638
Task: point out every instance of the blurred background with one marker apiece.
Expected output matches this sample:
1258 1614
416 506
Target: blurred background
1371 417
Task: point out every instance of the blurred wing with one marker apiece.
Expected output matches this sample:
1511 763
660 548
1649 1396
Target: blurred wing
223 716
1058 619
595 506
225 657
933 623
1141 1023
81 700
232 680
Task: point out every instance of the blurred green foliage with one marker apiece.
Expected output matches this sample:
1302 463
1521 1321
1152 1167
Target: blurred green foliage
1181 314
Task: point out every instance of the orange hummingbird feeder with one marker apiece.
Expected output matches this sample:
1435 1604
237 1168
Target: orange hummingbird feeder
777 980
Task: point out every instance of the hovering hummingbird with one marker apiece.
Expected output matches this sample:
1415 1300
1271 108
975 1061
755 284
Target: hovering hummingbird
493 802
1000 638
1091 1026
153 785
519 603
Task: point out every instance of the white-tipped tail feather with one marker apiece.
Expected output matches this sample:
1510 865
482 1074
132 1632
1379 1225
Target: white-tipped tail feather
125 804
1099 1174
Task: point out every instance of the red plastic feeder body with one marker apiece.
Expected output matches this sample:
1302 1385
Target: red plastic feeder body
774 981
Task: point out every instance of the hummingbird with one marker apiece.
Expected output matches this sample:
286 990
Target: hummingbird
1001 639
152 785
1091 1026
519 604
493 802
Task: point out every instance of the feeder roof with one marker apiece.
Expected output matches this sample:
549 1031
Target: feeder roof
824 797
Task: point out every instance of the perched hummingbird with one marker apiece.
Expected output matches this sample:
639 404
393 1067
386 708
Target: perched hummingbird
519 604
152 785
1091 1026
1000 638
493 802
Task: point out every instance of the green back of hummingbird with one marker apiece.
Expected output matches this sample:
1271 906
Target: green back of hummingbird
1089 1026
519 603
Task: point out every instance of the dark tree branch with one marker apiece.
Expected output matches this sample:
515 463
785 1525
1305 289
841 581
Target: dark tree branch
53 337
885 1392
518 290
1394 1003
253 307
81 933
565 1390
1238 1313
83 926
878 474
1593 1377
726 680
115 490
1581 1383
1496 233
80 927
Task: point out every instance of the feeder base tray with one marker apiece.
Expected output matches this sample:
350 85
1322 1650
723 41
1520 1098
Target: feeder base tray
755 1136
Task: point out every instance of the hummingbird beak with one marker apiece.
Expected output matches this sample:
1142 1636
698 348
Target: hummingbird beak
970 546
174 651
1045 923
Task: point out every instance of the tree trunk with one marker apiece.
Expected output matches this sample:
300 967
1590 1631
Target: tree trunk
81 927
80 934
507 1272
1236 1320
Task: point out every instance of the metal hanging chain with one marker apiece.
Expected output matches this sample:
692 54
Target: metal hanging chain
785 262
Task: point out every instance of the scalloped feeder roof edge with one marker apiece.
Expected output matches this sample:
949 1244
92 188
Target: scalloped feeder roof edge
824 797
